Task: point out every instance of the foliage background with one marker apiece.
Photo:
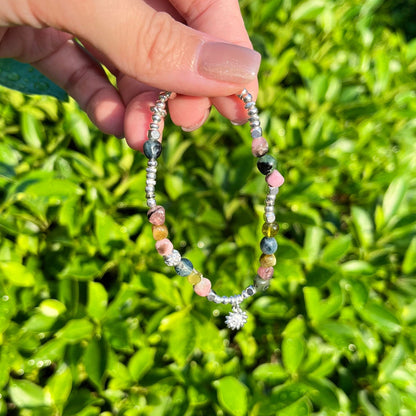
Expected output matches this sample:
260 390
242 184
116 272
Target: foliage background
93 323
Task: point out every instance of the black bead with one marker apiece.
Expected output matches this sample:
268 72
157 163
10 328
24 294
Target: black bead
152 149
266 164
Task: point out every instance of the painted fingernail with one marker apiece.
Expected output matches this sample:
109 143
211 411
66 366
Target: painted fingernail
227 62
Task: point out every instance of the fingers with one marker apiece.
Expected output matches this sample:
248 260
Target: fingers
223 19
152 47
56 55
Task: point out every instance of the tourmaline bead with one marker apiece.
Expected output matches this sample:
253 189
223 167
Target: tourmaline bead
184 268
194 277
268 245
267 260
266 164
203 287
152 149
275 179
261 284
266 273
172 259
156 215
164 247
259 146
270 230
159 232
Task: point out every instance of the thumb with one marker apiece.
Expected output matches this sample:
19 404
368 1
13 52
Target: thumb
152 47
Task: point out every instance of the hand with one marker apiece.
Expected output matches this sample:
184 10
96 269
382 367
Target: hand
149 45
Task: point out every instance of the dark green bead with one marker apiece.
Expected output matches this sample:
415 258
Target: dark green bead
268 245
266 164
152 149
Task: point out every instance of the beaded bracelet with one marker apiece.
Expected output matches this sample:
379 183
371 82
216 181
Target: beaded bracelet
267 166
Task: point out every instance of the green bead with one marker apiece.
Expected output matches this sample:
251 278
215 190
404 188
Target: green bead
270 229
266 164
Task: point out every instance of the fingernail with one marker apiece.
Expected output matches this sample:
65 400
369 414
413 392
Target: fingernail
227 62
198 125
238 122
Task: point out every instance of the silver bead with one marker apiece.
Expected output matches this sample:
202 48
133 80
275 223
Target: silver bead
153 134
270 200
150 195
152 163
151 202
270 217
156 118
249 105
150 182
154 126
247 98
149 188
225 300
255 123
243 94
273 190
212 296
151 175
269 208
256 132
172 259
252 112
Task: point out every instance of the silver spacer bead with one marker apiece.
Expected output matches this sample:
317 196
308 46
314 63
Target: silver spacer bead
225 300
150 188
212 296
151 202
273 190
269 208
255 123
152 163
270 200
256 132
253 112
154 126
156 118
249 105
150 182
153 134
151 175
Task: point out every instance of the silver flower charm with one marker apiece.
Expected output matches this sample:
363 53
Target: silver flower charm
236 319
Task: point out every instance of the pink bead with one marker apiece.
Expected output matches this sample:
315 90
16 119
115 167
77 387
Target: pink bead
156 215
203 287
259 146
266 273
275 179
164 247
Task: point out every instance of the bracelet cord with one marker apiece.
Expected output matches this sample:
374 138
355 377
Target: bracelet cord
266 164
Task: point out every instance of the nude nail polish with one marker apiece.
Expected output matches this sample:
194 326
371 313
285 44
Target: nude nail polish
227 62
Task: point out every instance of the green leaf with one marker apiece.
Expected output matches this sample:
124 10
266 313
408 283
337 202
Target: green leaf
32 130
308 10
409 261
27 395
393 197
59 386
95 360
282 398
381 317
3 408
358 267
17 274
293 351
270 373
110 235
97 300
25 78
363 226
336 249
312 244
76 330
391 362
141 363
232 395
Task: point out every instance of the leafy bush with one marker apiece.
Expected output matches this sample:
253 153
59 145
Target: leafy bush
93 323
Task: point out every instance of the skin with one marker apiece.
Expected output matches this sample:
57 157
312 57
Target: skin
149 45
